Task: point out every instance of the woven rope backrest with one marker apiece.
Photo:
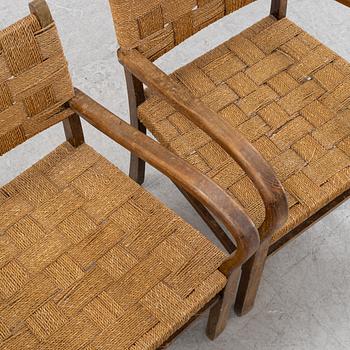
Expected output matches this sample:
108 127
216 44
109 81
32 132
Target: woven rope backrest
156 26
34 81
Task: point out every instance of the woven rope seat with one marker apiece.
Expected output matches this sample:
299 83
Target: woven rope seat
286 93
90 260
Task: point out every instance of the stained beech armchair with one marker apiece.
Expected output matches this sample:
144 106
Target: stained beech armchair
265 115
88 258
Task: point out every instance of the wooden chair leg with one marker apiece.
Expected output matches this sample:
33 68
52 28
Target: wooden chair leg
73 130
136 96
137 167
220 312
279 8
208 218
252 272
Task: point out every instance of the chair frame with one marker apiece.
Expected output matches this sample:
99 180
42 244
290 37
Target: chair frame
139 71
197 185
202 189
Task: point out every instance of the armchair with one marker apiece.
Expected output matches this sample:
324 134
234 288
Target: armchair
265 115
89 259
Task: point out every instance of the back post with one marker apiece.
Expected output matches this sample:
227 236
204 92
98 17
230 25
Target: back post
72 125
41 11
279 8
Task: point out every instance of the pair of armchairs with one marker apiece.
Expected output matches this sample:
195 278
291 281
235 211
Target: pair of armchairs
256 135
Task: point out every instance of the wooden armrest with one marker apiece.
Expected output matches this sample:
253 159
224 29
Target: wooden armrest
344 2
183 174
242 151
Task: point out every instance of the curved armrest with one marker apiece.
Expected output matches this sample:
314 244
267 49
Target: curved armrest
197 184
242 151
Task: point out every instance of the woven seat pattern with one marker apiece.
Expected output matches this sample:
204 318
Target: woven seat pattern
286 93
156 26
34 81
90 260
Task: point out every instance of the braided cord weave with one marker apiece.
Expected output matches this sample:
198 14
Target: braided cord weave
286 93
34 81
156 26
90 260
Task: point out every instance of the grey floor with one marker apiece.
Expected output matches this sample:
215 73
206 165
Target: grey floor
304 300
